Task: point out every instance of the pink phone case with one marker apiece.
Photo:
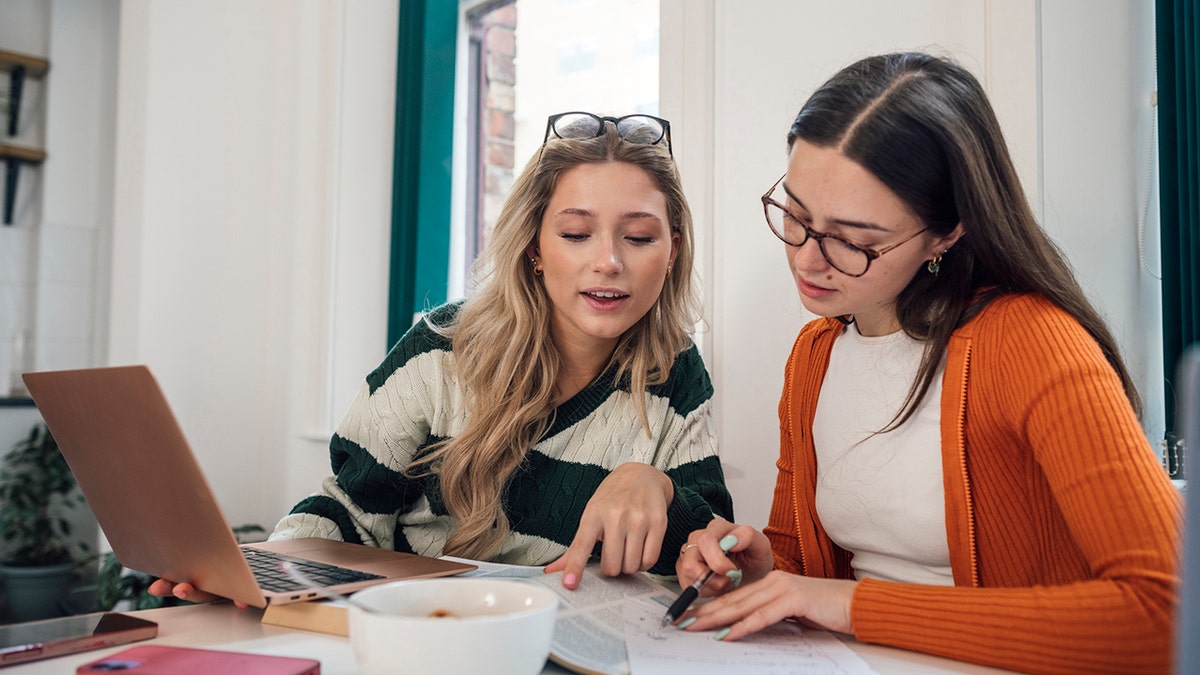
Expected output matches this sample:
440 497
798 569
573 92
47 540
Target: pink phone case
165 660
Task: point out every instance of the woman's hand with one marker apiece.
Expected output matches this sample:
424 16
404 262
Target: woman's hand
752 595
185 591
735 553
822 603
628 512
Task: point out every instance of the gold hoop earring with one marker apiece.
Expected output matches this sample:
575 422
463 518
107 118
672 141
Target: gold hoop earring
537 271
935 265
668 272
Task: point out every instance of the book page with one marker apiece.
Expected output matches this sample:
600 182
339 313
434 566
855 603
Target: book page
589 634
782 649
491 569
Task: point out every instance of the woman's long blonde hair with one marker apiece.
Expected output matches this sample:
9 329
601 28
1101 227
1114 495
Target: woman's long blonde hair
507 363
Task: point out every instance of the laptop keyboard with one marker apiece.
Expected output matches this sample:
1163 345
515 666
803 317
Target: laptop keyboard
266 568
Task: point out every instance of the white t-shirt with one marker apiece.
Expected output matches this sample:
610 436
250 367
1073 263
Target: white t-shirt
881 497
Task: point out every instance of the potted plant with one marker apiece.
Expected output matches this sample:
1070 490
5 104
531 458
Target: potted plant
37 489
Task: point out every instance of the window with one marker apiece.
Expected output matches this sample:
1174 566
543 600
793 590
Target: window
524 66
575 59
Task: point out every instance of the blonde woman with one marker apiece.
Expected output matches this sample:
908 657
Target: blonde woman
562 410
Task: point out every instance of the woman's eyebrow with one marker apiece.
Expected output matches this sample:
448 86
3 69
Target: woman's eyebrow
588 213
856 224
576 211
640 215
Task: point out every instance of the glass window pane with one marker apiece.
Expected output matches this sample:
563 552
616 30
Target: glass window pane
528 63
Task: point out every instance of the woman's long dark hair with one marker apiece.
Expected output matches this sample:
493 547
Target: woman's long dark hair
924 127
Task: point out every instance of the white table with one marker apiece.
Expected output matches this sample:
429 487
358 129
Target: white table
223 626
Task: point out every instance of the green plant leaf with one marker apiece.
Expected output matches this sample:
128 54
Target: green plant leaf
36 485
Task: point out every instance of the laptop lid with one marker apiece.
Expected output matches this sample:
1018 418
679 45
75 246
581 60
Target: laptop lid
147 491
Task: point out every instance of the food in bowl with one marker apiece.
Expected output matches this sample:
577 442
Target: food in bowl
499 625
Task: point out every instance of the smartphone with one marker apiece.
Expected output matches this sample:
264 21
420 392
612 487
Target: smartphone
20 642
164 660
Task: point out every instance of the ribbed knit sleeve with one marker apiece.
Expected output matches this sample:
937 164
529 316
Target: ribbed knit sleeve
1063 528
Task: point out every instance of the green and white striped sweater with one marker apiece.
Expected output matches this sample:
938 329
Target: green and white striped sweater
412 400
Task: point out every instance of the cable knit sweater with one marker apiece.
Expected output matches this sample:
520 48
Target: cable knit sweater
413 400
1062 526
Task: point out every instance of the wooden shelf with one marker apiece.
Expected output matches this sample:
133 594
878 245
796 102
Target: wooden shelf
34 66
19 67
24 155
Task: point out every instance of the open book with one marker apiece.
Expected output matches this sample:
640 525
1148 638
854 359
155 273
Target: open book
589 635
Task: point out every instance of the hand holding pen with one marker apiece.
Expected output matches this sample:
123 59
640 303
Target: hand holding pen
689 594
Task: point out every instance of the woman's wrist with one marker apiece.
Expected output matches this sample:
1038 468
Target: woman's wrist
668 488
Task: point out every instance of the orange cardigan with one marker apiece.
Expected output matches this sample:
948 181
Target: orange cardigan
1063 527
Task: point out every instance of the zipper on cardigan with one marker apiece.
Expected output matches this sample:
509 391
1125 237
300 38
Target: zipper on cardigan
962 463
795 474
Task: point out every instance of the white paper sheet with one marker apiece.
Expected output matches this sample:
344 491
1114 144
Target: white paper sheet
783 649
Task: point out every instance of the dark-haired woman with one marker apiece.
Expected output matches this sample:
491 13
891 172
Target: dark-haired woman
962 471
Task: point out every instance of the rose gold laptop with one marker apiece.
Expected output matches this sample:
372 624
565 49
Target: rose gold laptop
146 489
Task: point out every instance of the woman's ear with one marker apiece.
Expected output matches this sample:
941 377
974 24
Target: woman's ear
676 237
952 238
531 252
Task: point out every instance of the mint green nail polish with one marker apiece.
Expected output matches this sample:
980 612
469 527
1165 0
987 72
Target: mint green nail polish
735 576
728 542
687 622
721 634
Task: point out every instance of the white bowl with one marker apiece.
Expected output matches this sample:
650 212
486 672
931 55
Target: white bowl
497 626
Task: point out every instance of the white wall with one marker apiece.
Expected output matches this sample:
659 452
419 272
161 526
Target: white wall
1097 79
53 263
1062 75
251 231
54 258
24 28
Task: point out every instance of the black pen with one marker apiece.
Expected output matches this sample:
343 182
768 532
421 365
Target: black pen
685 600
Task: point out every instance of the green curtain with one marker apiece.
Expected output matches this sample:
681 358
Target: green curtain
420 246
1178 36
